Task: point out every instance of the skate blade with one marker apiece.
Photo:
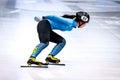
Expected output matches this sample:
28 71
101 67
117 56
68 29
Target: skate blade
58 64
32 66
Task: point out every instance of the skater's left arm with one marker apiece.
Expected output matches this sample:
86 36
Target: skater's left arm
69 16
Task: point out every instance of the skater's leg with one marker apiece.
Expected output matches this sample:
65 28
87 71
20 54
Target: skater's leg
38 49
58 48
43 30
60 43
36 52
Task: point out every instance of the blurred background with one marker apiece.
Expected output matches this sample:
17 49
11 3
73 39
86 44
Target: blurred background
91 53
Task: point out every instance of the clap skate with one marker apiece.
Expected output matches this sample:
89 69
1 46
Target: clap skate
34 61
51 60
37 64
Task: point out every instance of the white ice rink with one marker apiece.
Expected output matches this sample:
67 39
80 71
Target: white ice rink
91 53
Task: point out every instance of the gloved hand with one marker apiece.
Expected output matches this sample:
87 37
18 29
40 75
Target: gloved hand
37 19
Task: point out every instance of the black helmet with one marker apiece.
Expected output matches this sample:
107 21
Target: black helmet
82 16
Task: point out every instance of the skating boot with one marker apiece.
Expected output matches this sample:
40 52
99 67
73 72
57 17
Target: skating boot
34 61
50 58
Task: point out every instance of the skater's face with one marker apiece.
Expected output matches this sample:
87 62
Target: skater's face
81 24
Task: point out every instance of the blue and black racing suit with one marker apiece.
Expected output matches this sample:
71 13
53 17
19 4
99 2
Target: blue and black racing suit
46 34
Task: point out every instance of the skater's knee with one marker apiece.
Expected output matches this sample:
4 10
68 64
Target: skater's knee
44 44
62 43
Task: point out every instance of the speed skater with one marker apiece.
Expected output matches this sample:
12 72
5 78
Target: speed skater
46 34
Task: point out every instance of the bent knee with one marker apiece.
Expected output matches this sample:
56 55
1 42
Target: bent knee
44 44
62 42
